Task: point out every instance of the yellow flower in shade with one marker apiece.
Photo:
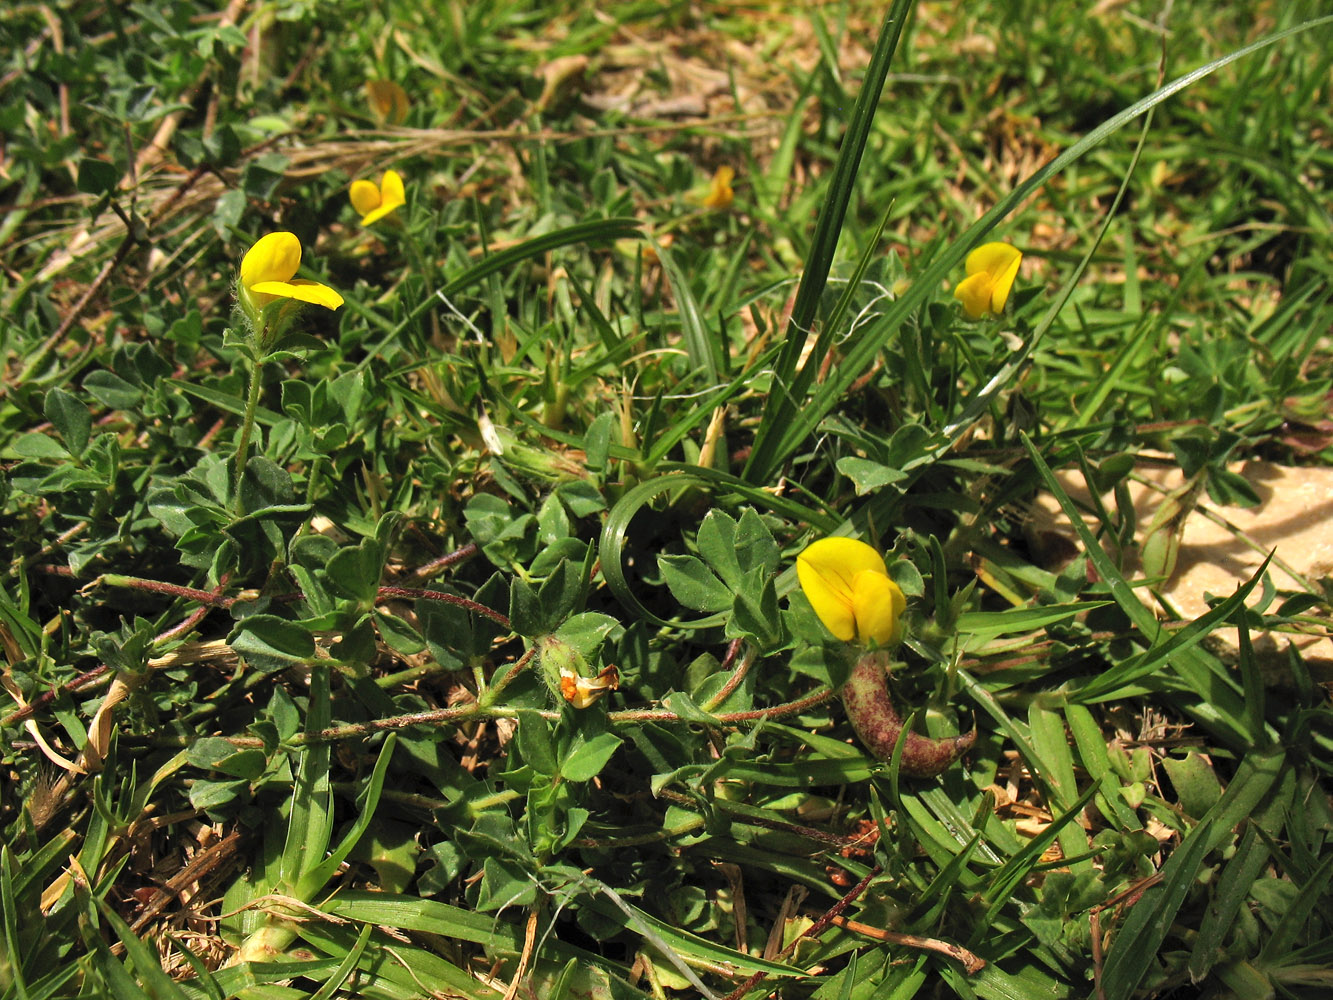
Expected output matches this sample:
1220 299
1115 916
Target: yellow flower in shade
719 194
991 270
848 585
374 203
268 273
388 101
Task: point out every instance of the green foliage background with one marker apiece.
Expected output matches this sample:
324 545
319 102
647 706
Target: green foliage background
294 726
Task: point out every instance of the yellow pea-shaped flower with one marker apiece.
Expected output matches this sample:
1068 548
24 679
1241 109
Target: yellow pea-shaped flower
373 201
991 270
268 272
719 194
848 585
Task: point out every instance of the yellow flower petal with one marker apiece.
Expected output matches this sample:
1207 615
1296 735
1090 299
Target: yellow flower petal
991 270
827 571
993 258
274 257
300 289
974 292
365 196
720 194
374 203
877 606
391 189
376 215
1004 281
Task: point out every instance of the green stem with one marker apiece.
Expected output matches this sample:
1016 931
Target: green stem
247 426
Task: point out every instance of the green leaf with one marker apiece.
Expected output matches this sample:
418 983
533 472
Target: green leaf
535 743
39 446
1197 786
755 548
266 484
693 584
867 475
70 417
525 610
270 643
217 754
717 546
587 631
111 390
354 571
755 610
97 176
504 884
218 797
587 758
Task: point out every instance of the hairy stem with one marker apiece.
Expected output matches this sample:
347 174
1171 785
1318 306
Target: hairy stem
247 426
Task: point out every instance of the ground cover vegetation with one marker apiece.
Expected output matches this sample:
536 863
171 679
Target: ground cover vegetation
532 500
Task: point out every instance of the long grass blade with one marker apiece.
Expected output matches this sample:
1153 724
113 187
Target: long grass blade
789 385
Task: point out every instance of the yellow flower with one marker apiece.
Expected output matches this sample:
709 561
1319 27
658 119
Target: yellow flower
991 270
719 194
374 203
848 585
388 101
267 274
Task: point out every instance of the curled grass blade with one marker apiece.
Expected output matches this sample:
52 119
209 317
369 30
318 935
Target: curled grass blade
615 531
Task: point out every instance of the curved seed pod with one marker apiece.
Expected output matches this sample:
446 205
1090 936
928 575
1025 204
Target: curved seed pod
870 710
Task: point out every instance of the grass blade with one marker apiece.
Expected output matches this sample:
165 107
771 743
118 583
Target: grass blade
790 385
1233 888
1150 918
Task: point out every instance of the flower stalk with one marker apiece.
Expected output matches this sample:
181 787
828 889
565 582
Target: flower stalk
270 296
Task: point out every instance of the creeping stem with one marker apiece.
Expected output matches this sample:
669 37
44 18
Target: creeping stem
870 710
